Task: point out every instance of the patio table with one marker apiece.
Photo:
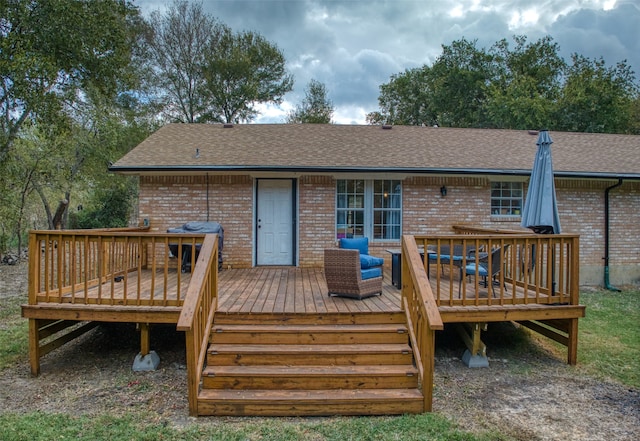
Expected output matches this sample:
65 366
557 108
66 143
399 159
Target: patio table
444 259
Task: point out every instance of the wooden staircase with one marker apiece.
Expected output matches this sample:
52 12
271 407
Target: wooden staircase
309 364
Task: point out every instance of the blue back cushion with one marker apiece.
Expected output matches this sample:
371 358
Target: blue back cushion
360 243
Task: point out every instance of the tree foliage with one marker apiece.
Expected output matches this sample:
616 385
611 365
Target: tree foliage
457 84
52 49
525 91
527 86
316 108
597 98
242 70
207 73
176 43
405 100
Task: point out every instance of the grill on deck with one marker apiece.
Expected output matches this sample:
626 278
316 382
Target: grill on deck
196 228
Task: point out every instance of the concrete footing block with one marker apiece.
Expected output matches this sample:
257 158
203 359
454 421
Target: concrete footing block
144 363
474 361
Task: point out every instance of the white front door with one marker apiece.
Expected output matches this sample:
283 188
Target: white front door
274 222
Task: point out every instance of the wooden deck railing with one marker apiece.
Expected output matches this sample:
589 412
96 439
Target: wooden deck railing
533 269
197 313
422 315
105 267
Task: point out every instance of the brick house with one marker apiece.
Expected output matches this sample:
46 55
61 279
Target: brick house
285 192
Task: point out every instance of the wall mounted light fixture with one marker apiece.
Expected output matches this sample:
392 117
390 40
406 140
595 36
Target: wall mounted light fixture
443 191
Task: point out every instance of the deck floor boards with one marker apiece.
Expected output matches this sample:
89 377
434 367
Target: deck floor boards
275 290
293 290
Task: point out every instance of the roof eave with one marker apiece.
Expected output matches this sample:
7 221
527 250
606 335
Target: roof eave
339 169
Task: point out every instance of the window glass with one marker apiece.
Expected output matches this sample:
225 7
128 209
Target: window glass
369 208
506 198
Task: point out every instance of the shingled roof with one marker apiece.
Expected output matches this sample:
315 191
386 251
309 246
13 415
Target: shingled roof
193 148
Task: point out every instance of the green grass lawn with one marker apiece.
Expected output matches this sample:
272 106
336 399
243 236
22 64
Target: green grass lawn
609 336
14 337
38 426
609 347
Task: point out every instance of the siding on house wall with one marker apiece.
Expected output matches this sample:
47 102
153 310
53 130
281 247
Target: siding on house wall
169 201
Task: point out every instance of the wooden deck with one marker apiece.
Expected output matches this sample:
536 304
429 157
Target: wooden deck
288 290
244 322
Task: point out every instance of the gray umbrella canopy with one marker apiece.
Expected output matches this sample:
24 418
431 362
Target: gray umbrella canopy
540 211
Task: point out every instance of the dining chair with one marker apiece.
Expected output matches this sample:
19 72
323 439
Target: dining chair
487 266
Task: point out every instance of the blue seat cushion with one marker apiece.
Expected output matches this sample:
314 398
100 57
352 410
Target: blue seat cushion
367 261
371 273
470 270
359 243
445 258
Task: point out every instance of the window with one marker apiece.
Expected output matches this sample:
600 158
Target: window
506 198
369 209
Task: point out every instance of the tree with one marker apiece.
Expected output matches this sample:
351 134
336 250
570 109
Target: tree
405 100
207 73
598 99
241 71
177 41
452 92
316 108
109 206
50 50
457 83
525 92
529 86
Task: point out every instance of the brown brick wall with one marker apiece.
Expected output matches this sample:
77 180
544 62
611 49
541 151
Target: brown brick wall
316 218
170 201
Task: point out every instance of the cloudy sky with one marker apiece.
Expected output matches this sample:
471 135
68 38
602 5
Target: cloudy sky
354 46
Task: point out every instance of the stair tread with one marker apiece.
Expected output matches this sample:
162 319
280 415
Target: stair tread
310 395
319 348
302 318
289 328
310 370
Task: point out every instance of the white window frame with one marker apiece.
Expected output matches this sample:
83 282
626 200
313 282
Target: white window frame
506 205
368 210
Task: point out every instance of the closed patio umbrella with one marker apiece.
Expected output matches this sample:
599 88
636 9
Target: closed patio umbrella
540 211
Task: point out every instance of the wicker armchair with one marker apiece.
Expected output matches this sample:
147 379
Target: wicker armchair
345 278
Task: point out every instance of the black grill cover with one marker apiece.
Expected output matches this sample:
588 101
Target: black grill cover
197 228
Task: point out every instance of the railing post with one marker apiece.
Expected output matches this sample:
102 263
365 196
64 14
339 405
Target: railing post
429 359
34 268
572 341
33 285
422 314
193 378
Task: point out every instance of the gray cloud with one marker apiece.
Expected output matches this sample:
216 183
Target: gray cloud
354 46
613 35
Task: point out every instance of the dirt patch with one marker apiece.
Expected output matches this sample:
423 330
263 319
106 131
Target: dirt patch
528 395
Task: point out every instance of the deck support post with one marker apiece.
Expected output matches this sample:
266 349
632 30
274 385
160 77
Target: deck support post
572 343
145 338
146 360
476 353
34 346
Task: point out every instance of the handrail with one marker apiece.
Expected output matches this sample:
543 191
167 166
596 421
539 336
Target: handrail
104 267
97 231
197 313
468 229
422 315
534 268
